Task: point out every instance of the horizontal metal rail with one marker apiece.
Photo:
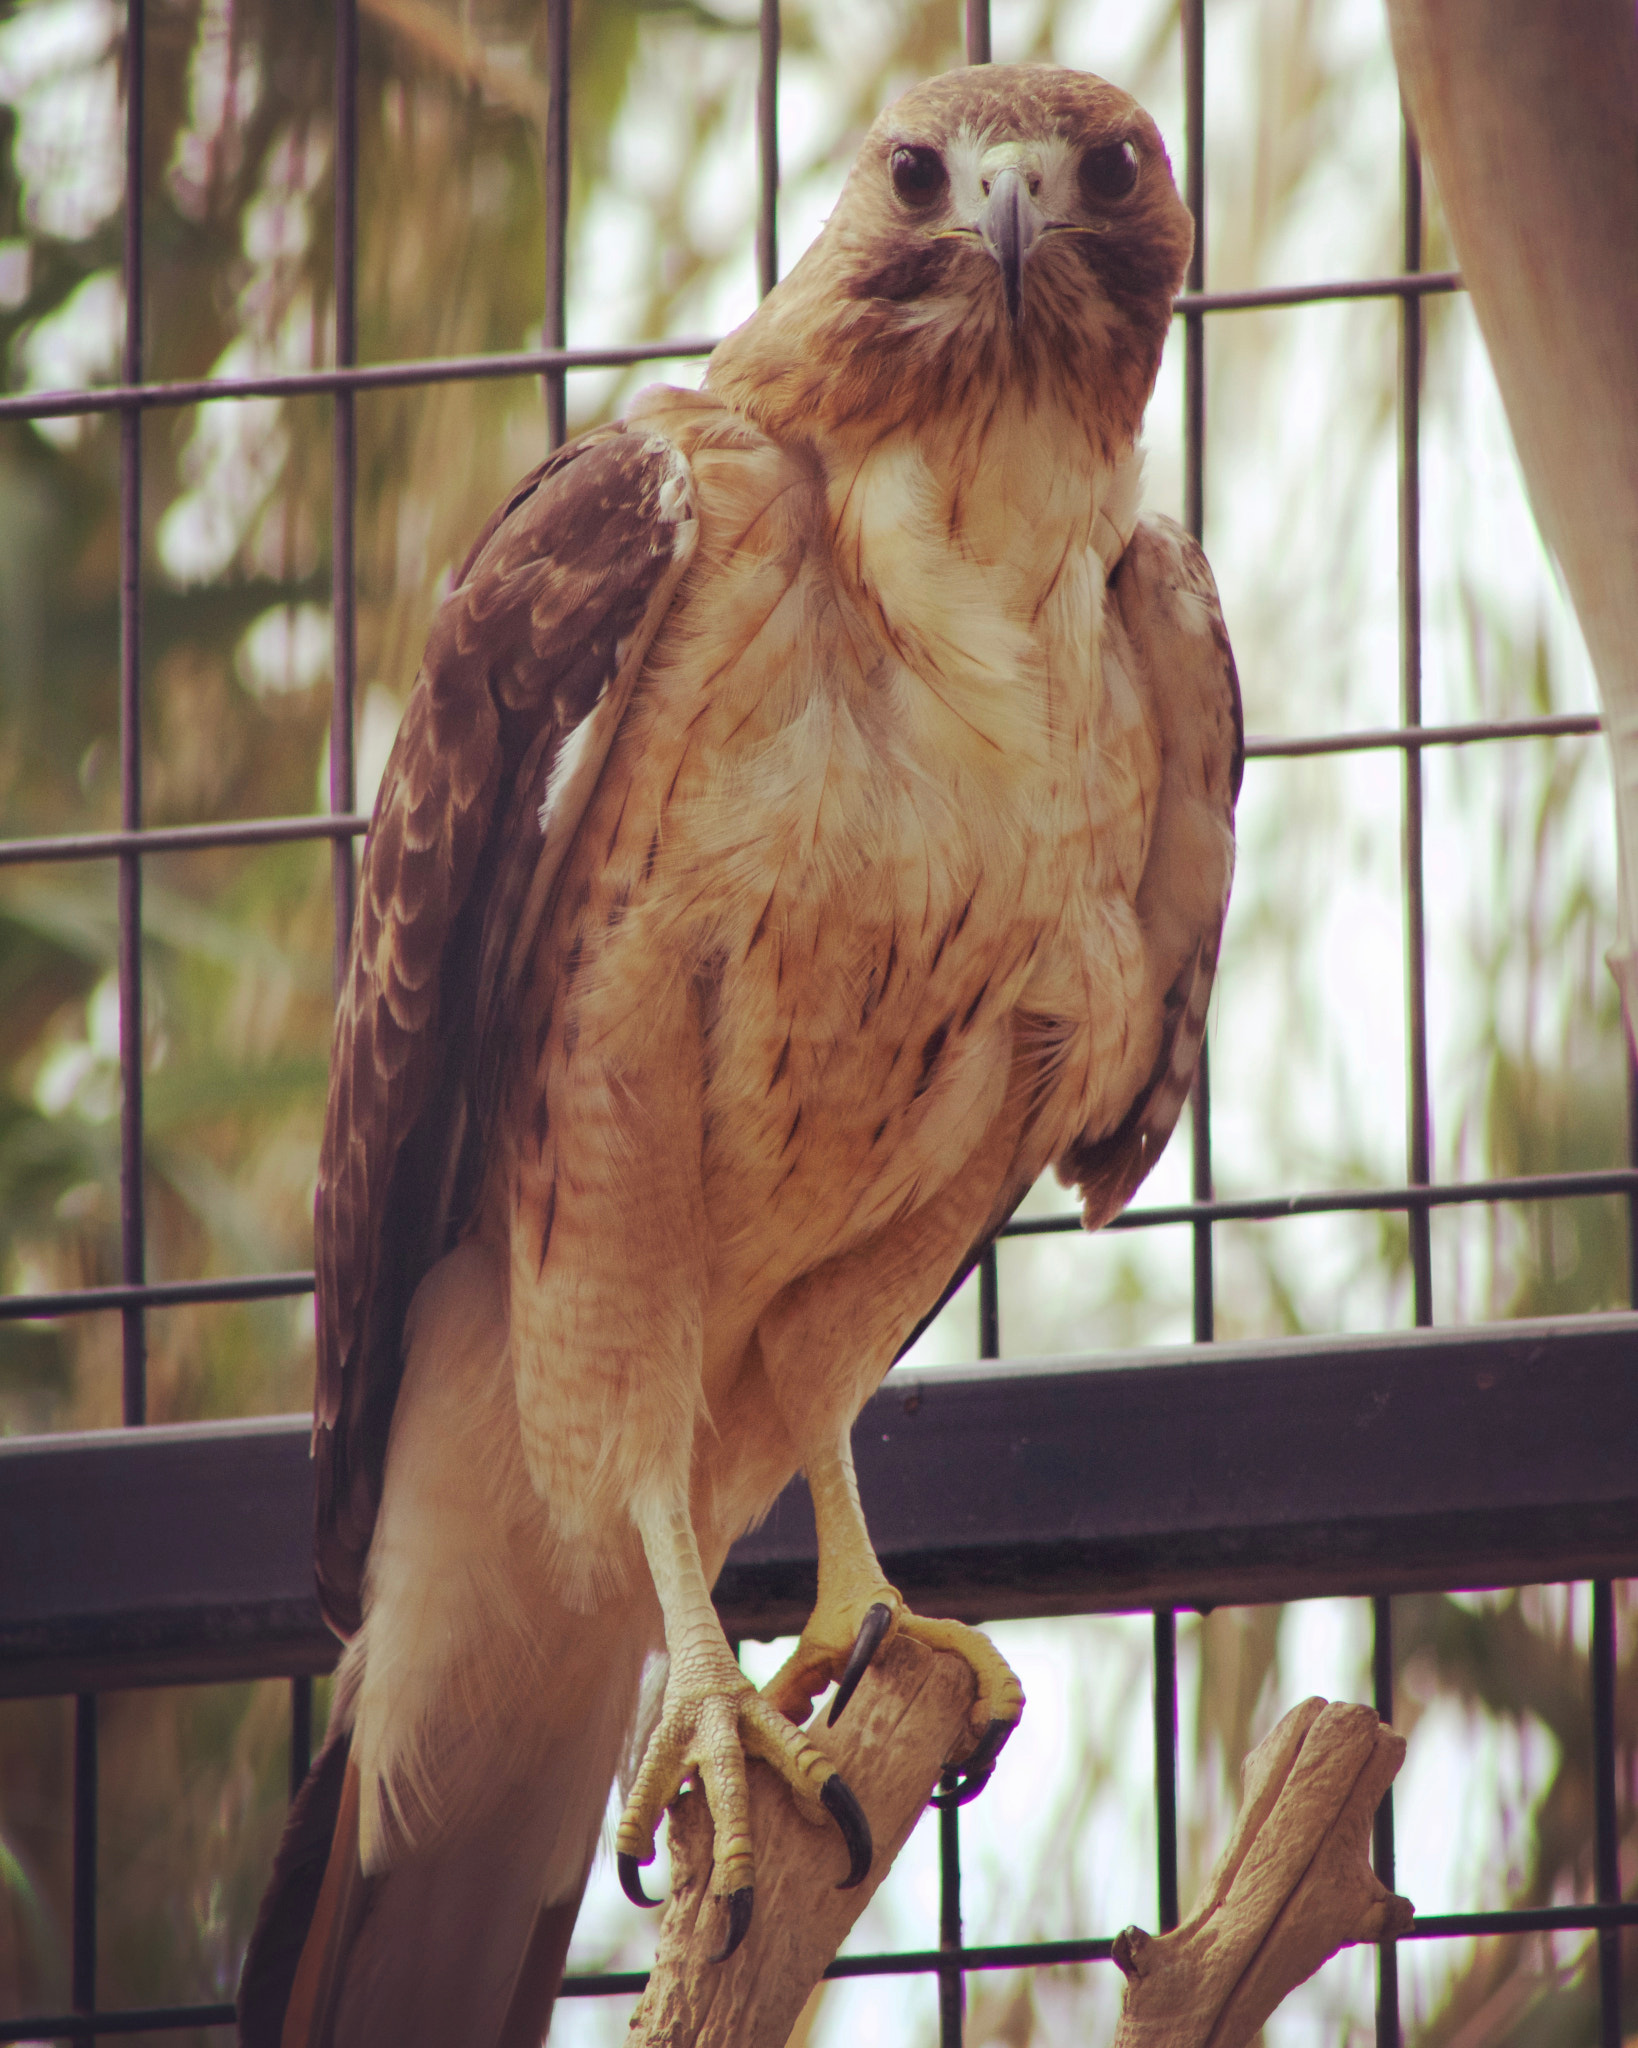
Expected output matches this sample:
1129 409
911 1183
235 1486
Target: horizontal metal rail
1558 725
536 362
1015 1955
1187 1477
80 1301
1523 1187
146 2019
77 846
183 838
1418 284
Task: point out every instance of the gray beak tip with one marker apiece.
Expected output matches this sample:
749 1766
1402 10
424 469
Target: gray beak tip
1010 226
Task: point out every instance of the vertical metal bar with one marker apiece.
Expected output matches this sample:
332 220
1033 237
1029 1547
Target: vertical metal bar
767 150
952 1983
554 329
1166 1764
83 1964
1193 22
1418 1139
344 478
1608 1858
1607 1845
133 1249
1387 1954
1418 1147
1632 1160
978 31
1606 1827
301 1732
989 1304
1194 323
1204 1287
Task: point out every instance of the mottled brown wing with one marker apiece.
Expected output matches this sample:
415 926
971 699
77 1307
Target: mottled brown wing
527 669
1166 600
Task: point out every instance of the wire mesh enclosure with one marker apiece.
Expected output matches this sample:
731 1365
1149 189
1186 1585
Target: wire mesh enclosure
1580 1532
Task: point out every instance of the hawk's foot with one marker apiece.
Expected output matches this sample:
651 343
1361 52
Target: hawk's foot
998 1704
713 1718
844 1633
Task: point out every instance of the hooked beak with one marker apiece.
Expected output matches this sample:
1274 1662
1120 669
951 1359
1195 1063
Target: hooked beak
1009 227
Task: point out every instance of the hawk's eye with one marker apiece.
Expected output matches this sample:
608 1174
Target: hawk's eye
1109 173
919 176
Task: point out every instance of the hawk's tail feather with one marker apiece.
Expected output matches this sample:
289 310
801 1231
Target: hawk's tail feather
291 1900
433 1867
451 1948
309 2015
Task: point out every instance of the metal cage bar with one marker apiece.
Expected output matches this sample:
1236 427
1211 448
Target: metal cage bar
83 1955
1418 1111
1253 1209
1165 1737
1418 1114
344 479
554 331
1192 24
133 1249
1606 1823
767 148
1387 1956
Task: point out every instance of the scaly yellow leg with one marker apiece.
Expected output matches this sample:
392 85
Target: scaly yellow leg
857 1612
711 1719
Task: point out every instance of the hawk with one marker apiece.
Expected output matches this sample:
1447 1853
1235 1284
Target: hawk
813 819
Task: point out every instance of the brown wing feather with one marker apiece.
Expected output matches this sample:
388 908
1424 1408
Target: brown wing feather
1166 599
540 639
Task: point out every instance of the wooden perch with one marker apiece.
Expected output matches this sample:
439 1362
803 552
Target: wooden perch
909 1713
1293 1886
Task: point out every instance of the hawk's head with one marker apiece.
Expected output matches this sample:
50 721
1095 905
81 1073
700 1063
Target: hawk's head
1003 226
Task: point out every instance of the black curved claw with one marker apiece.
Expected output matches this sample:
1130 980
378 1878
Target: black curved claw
739 1921
990 1745
878 1620
975 1771
964 1790
630 1882
839 1802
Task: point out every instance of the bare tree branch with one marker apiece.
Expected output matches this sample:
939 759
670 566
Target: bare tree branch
1293 1886
909 1713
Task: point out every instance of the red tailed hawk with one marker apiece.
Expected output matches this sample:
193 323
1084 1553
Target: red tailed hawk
812 820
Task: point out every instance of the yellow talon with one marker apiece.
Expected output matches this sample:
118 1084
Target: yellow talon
711 1721
840 1626
1000 1696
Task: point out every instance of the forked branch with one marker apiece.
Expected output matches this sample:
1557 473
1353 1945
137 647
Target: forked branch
1292 1887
